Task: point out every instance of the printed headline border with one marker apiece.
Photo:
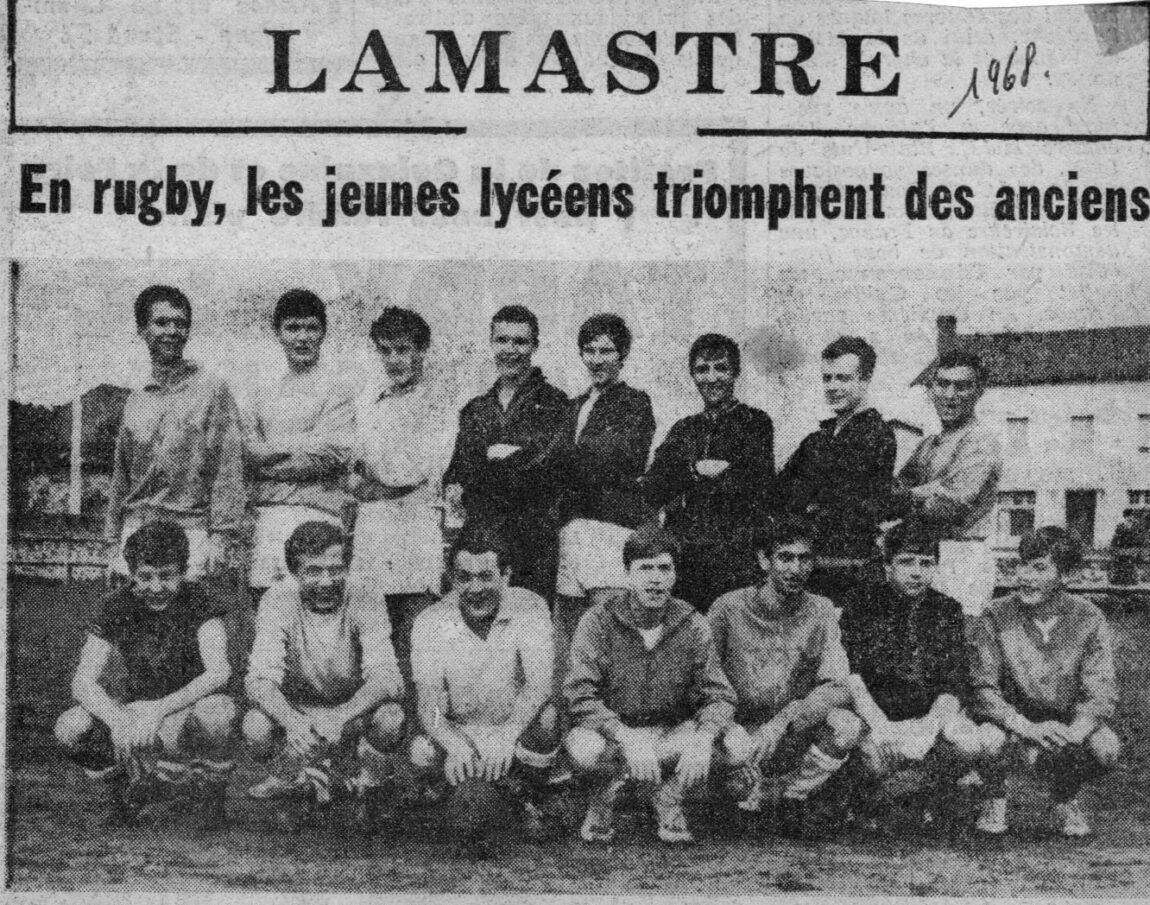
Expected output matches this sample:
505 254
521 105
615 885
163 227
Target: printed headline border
15 127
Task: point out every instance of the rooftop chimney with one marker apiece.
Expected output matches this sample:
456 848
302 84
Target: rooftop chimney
947 334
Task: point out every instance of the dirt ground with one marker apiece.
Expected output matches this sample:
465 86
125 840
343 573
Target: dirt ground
58 841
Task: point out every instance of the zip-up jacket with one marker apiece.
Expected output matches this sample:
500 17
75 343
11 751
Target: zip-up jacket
615 680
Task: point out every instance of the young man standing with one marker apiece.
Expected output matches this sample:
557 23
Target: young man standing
179 453
712 477
172 640
646 693
503 470
951 480
840 476
781 647
324 683
907 646
298 428
1043 670
482 662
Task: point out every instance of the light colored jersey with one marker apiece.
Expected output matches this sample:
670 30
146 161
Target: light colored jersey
476 680
320 658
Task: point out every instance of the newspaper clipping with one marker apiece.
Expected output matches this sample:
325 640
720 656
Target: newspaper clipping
587 448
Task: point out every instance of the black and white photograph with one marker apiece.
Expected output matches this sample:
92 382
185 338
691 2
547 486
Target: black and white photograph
581 450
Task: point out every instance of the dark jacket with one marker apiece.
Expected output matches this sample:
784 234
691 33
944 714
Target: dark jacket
842 482
524 480
722 510
614 678
602 468
905 661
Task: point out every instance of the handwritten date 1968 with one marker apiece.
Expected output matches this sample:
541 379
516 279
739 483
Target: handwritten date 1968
1001 76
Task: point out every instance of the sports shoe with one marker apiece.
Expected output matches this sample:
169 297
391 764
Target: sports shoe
274 787
1072 818
599 824
668 805
992 817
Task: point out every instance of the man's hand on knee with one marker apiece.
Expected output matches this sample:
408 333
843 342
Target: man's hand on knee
695 758
640 754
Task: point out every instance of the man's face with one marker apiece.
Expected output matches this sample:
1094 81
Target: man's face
714 379
955 392
166 332
157 586
789 567
512 345
301 338
402 361
602 360
1038 581
843 384
322 579
651 580
911 573
480 583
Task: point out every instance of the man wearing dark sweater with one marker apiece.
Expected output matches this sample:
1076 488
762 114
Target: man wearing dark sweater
503 469
840 475
907 649
712 476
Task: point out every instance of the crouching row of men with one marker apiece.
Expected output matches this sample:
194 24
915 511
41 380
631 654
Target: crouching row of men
760 693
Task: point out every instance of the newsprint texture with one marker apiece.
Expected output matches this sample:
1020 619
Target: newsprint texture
692 449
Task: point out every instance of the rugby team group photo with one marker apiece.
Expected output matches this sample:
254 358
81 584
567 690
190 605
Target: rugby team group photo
529 607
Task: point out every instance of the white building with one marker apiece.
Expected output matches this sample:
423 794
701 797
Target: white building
1073 410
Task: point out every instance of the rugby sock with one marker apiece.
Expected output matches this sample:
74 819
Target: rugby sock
812 773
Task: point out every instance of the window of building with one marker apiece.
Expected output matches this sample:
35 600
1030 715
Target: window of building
1144 433
1082 433
1017 435
1015 513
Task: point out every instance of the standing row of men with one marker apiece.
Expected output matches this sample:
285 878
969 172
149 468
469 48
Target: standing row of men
564 481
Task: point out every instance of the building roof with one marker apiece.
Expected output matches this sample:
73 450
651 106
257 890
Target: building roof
1100 355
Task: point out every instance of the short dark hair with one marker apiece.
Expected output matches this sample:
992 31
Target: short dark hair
647 542
715 345
299 303
157 544
786 529
610 325
401 323
517 314
153 295
312 539
479 539
909 537
853 345
1063 547
961 358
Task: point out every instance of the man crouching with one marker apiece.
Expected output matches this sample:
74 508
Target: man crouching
781 647
482 659
171 736
646 694
326 687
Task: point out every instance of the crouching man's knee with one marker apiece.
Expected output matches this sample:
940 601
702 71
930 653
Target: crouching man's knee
385 728
423 753
216 715
72 726
585 747
735 746
841 732
1105 747
259 732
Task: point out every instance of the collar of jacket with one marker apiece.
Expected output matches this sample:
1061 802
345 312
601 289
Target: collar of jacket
533 382
868 414
586 394
678 612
